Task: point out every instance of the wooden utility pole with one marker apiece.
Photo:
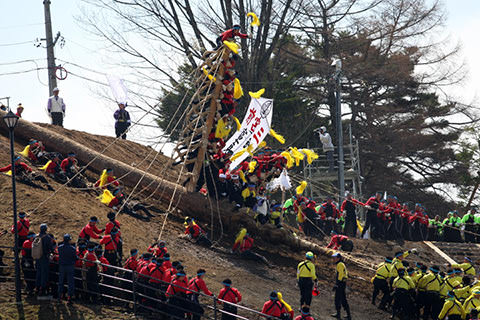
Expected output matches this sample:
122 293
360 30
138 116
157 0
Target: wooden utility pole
52 80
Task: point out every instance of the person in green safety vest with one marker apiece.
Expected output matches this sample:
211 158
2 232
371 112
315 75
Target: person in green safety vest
470 226
435 229
452 227
289 212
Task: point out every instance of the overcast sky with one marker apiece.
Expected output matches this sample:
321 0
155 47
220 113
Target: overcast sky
90 112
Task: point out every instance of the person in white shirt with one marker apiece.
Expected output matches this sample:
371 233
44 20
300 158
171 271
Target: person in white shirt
328 147
56 108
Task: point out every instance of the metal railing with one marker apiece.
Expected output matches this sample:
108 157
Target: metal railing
137 293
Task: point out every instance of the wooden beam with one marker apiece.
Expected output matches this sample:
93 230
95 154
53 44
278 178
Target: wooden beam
202 149
440 252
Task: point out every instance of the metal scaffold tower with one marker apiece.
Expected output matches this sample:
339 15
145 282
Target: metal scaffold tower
321 182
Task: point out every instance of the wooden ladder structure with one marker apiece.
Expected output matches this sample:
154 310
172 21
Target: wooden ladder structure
192 147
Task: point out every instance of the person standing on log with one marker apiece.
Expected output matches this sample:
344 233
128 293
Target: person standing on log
56 108
122 121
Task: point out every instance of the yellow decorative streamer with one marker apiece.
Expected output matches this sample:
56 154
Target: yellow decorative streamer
255 21
237 122
297 155
25 151
258 94
209 76
301 187
242 176
231 45
289 158
287 306
221 131
46 165
251 166
240 235
311 155
237 155
106 197
237 89
277 136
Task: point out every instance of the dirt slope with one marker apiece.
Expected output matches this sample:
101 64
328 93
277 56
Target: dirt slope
70 209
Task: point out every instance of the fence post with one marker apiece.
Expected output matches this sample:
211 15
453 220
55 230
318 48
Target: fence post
134 291
214 308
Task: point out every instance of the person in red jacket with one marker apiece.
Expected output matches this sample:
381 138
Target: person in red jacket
195 286
70 168
305 314
107 272
25 174
158 249
373 205
273 307
89 264
177 296
111 242
245 248
23 227
329 213
229 35
28 263
196 233
110 181
132 262
226 295
348 209
339 241
91 230
112 223
54 171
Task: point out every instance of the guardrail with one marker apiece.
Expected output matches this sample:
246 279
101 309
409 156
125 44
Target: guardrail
135 292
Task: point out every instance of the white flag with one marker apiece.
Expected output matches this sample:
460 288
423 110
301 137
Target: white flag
255 127
119 91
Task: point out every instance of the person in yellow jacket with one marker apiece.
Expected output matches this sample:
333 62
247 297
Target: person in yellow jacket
464 290
473 302
448 281
431 284
380 283
452 309
466 266
306 277
402 286
397 262
421 271
341 276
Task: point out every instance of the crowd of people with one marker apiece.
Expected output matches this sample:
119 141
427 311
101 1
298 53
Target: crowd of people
415 290
85 270
386 218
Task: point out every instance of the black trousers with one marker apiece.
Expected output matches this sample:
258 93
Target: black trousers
401 303
306 287
372 223
432 305
120 130
350 227
231 309
111 256
381 285
341 297
57 118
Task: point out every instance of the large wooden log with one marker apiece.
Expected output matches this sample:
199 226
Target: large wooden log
190 204
53 141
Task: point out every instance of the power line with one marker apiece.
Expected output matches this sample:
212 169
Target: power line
14 43
20 61
20 72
